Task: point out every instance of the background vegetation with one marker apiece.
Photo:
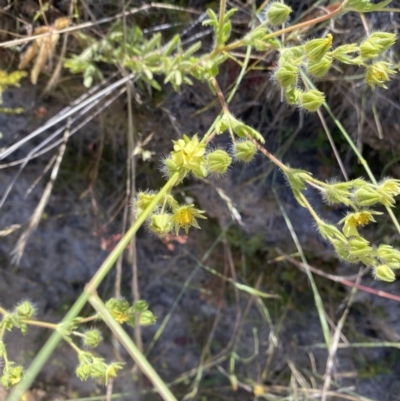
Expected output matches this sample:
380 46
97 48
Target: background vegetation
256 304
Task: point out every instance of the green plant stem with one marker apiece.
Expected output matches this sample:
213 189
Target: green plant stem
310 208
317 297
88 319
45 352
132 349
38 323
73 345
222 8
270 156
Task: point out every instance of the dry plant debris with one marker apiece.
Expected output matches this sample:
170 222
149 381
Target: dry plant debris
43 48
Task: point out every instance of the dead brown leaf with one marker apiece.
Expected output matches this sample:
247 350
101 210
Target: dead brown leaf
43 48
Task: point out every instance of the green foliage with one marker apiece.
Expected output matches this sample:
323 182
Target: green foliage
90 365
123 312
148 59
9 79
316 58
365 5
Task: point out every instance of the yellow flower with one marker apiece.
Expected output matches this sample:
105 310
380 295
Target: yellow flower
185 217
354 220
188 155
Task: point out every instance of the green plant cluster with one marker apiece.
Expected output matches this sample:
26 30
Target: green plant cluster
144 57
360 197
316 58
90 365
147 59
190 156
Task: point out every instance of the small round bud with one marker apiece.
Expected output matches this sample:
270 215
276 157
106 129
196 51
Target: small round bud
384 273
218 161
161 224
293 96
292 55
286 74
25 310
147 318
92 338
278 13
321 67
170 167
245 151
317 48
83 371
312 100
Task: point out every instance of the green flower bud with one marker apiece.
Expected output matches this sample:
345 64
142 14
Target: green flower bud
338 193
83 371
143 200
359 247
141 305
223 124
342 250
245 151
312 100
389 256
366 196
378 74
218 161
171 167
147 318
317 48
161 224
92 338
240 129
321 67
12 375
293 55
341 54
384 273
298 178
119 309
286 74
25 310
98 368
377 43
293 96
278 13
